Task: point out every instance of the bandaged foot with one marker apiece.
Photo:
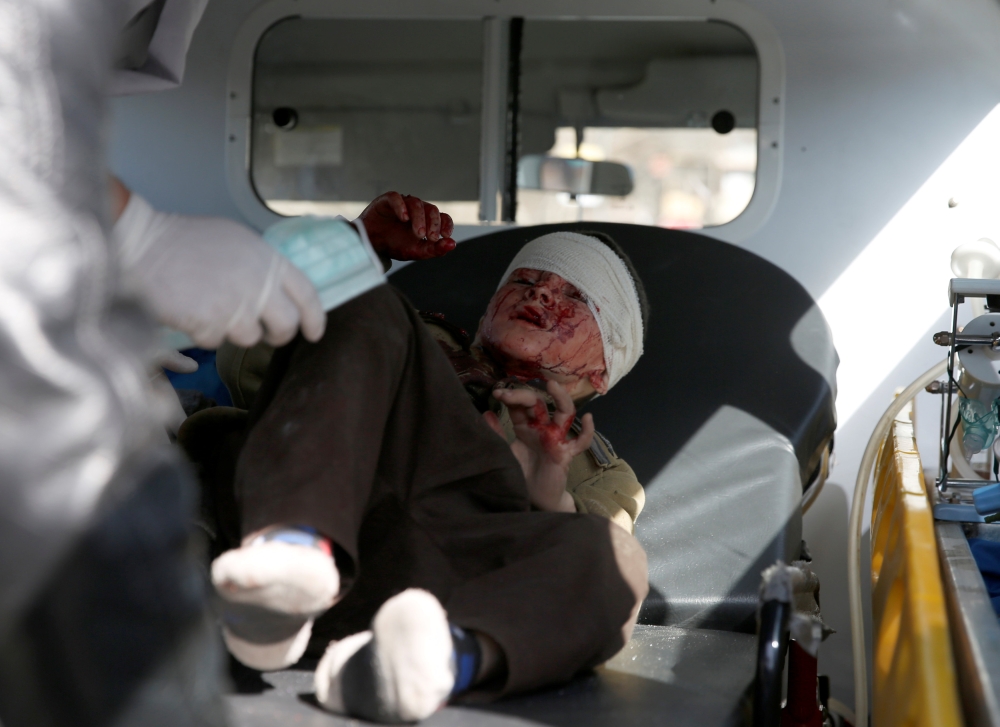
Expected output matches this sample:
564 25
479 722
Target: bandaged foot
271 590
404 669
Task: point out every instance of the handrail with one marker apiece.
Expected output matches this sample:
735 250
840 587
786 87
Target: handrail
854 536
912 657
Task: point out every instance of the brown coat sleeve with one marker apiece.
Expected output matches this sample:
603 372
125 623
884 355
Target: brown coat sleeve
610 490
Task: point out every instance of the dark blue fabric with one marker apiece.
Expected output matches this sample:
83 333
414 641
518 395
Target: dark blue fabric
205 379
117 612
987 555
467 657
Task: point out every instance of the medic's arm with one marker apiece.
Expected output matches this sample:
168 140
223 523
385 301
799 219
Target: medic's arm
210 277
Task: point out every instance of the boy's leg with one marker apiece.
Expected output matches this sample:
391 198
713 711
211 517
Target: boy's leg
370 419
545 594
347 431
369 438
565 600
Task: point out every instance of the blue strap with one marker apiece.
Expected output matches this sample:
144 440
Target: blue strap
297 535
466 658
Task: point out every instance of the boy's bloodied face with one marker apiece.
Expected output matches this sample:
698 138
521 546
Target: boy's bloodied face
539 326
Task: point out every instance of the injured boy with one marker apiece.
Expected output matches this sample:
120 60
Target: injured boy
425 511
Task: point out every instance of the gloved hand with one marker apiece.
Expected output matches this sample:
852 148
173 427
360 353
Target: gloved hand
402 227
175 361
213 279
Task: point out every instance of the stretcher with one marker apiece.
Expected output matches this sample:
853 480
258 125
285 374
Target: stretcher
727 420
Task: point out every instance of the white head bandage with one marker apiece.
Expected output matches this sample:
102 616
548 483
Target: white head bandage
600 274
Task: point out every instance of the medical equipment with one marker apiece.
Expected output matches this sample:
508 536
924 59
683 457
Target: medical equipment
977 347
977 385
979 259
987 501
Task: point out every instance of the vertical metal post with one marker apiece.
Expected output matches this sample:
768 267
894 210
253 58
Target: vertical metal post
512 150
946 433
943 430
493 127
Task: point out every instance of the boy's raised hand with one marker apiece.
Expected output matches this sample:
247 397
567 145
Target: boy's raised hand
403 227
543 445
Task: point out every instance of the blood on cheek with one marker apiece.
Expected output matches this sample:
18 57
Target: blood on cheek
565 353
551 433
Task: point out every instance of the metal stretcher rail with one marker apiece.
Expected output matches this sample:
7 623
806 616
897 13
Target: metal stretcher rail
974 626
913 678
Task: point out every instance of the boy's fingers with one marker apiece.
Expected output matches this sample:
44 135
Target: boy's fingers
443 247
418 220
582 442
564 402
516 397
565 409
398 206
447 225
433 216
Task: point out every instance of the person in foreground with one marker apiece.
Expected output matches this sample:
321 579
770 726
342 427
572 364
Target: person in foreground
383 517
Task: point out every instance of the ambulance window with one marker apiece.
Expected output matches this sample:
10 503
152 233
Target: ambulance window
345 109
671 105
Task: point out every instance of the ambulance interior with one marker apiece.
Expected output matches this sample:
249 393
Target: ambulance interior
790 181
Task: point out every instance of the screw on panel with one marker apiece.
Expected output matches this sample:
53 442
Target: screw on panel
232 137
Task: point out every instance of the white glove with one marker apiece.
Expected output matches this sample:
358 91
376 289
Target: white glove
175 361
213 278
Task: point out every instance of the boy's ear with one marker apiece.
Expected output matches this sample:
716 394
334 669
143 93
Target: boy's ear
602 383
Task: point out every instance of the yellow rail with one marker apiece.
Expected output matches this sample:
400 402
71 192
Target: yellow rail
914 674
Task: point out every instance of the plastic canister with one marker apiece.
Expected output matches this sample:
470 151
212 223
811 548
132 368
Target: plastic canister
979 423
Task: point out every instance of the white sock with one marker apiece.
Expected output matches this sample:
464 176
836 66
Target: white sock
401 671
271 592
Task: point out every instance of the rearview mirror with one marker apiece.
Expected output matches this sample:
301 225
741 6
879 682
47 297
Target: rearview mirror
576 176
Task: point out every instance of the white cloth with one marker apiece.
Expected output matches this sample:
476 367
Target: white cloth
335 255
166 53
600 274
213 278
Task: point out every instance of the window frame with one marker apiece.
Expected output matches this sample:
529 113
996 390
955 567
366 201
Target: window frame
496 15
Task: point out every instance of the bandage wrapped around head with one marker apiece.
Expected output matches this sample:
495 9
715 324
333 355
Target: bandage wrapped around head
597 271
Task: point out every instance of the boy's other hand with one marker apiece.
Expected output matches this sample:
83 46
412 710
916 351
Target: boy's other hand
543 445
403 227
